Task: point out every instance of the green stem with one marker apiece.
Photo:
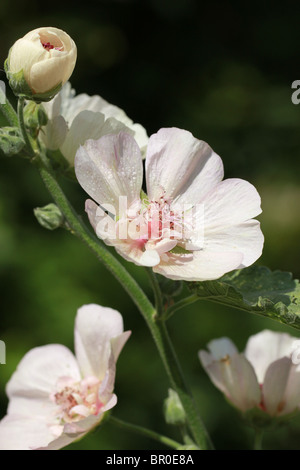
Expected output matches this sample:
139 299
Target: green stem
258 439
29 147
157 292
146 308
145 432
180 304
7 110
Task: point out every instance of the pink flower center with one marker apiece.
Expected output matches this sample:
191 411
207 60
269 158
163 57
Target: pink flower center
48 46
76 400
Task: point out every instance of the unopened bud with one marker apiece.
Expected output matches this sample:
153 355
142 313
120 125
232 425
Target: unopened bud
173 410
50 216
40 63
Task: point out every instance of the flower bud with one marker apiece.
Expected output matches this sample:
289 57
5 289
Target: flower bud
40 63
173 410
49 217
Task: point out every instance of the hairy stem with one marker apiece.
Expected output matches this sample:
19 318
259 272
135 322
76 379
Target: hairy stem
145 432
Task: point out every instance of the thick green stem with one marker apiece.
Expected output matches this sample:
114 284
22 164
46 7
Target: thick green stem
28 145
145 432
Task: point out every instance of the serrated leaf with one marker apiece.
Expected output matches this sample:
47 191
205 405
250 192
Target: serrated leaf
273 294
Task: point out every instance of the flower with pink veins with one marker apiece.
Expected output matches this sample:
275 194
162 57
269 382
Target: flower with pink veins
191 225
266 376
56 397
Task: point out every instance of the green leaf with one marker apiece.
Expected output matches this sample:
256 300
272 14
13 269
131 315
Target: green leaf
11 141
273 294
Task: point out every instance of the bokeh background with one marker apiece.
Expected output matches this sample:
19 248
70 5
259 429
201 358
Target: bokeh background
222 70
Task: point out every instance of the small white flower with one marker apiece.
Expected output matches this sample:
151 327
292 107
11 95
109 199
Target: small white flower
264 377
180 171
56 397
75 119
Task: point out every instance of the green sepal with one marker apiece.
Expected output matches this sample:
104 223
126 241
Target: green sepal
21 88
11 141
259 419
34 116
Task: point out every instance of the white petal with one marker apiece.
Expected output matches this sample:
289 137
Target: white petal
74 431
221 348
236 378
274 386
86 125
109 168
184 167
199 266
231 202
19 433
94 328
39 370
246 238
54 133
118 343
266 347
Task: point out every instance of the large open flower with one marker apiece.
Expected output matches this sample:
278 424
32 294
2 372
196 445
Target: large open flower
266 376
75 119
55 398
191 225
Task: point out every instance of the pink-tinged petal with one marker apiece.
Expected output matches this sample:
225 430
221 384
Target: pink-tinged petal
109 168
266 347
246 238
222 347
184 167
231 202
94 328
292 390
39 370
73 432
24 433
236 378
199 265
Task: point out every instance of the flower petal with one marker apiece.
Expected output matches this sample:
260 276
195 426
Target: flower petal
39 370
246 238
266 347
221 348
19 433
94 328
232 202
275 387
184 167
109 168
235 377
199 265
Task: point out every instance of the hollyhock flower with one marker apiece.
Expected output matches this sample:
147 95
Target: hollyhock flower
56 397
266 376
40 63
191 225
74 119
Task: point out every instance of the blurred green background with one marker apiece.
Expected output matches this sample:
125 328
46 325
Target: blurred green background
222 70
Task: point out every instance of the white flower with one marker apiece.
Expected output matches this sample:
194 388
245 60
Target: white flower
75 119
45 56
56 397
264 377
185 196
